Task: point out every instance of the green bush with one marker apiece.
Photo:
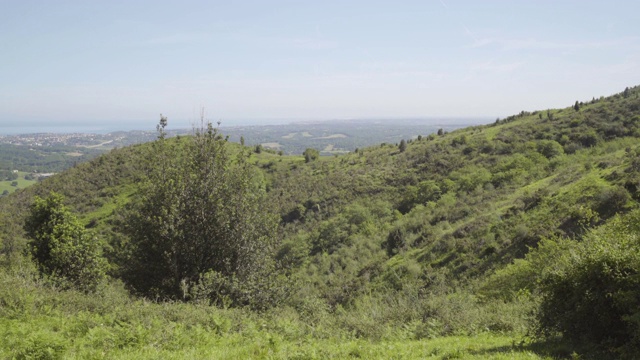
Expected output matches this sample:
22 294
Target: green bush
592 295
550 148
310 155
200 221
61 247
523 276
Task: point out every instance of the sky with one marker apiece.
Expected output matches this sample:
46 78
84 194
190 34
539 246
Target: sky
126 62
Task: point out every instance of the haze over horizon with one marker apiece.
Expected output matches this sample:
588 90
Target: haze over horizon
110 63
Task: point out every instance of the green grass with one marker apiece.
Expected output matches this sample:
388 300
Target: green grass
40 322
22 183
91 337
111 204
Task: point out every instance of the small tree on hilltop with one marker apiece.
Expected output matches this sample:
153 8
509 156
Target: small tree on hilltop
403 146
310 155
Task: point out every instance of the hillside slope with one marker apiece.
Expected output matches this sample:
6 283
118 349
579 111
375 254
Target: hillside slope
417 239
467 201
461 203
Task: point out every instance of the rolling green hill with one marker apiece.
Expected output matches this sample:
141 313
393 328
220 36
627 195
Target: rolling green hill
436 238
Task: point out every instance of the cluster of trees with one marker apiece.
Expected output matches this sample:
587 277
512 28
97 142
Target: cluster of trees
8 175
198 229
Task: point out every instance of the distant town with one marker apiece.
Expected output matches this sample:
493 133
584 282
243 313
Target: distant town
86 140
329 137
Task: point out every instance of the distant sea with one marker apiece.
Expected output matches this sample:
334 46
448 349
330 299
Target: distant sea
12 129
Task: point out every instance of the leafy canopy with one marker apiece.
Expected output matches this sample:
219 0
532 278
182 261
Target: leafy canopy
200 227
591 296
310 155
61 247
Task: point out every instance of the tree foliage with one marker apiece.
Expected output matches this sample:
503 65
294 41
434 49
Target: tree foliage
403 146
200 227
310 155
61 247
591 294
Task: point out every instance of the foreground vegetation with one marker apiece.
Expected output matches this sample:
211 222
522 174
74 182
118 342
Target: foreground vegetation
518 238
37 321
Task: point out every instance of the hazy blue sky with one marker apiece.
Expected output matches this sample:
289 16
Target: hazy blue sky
128 61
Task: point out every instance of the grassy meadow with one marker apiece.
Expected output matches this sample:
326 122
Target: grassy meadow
21 183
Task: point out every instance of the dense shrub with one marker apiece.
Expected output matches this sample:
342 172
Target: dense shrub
550 148
61 247
591 296
200 222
